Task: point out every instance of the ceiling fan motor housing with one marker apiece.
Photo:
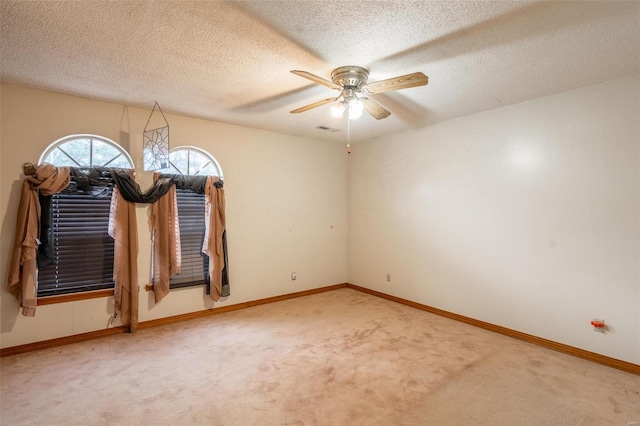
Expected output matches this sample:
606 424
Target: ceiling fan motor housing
350 77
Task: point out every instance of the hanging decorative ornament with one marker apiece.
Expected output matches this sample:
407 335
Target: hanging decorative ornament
155 148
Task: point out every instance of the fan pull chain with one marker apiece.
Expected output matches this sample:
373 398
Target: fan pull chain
348 135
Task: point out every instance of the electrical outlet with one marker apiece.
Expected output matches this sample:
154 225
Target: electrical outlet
293 276
388 278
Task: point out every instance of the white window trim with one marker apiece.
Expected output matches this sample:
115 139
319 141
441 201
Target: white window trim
68 138
201 151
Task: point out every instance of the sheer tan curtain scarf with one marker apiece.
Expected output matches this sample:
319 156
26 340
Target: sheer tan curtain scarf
167 255
22 267
215 223
123 228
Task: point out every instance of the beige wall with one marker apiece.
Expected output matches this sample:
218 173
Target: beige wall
286 206
527 216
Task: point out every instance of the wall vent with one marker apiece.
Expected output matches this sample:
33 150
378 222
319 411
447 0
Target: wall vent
328 129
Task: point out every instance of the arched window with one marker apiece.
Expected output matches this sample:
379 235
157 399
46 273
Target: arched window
191 161
86 151
75 232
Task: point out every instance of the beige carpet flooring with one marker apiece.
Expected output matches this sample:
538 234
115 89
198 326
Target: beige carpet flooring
336 358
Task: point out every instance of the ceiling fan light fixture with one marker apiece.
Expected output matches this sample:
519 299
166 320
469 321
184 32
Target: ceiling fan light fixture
355 109
352 106
337 110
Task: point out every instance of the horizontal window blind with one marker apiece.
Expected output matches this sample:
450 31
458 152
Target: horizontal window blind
195 264
82 247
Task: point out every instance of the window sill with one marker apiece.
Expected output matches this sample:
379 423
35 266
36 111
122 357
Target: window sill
51 300
149 287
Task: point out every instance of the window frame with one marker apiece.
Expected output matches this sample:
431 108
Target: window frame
89 294
55 144
174 168
200 151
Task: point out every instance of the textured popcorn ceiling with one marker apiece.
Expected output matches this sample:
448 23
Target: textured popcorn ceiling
230 61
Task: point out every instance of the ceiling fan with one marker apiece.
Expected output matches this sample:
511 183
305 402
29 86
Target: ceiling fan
351 81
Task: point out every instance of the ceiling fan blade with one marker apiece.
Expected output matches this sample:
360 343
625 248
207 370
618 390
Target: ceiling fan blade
313 105
397 83
376 110
316 79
